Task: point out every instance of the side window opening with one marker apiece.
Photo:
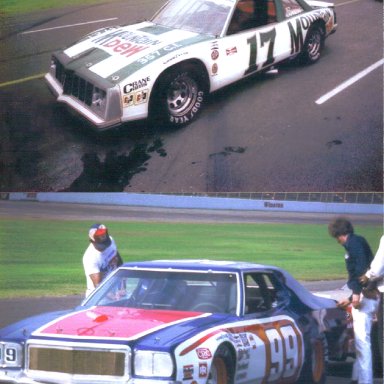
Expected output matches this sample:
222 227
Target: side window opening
291 8
252 14
261 294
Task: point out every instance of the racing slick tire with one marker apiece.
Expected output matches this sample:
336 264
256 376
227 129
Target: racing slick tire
222 368
313 45
178 95
316 362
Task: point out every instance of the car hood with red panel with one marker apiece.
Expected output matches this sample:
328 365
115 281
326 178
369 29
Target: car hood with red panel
114 324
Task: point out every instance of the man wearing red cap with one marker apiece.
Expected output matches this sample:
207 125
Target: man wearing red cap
101 257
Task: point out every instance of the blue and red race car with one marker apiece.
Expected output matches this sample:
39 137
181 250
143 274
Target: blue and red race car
184 321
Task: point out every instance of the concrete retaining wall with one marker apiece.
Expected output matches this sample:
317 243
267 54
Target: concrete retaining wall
197 202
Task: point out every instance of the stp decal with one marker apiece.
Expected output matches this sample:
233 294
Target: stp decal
204 353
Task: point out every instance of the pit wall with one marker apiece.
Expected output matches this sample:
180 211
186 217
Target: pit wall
194 202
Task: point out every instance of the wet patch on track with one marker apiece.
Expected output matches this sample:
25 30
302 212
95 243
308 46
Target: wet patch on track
228 150
114 172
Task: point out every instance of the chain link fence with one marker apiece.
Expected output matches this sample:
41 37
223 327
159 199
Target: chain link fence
323 197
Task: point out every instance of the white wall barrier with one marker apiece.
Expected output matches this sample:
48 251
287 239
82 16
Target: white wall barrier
196 202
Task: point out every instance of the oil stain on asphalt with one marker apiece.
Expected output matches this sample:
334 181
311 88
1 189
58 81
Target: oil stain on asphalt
114 172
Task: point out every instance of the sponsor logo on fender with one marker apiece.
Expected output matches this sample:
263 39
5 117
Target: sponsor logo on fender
204 353
136 98
203 370
304 23
135 85
188 372
215 54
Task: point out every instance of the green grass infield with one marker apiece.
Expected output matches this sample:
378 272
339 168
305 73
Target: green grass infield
44 257
13 7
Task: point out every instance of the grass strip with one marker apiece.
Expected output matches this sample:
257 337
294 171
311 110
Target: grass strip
14 7
44 257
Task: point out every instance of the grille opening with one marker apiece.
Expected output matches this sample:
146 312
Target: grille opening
74 85
77 362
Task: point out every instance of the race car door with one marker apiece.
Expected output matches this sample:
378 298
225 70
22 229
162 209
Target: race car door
275 343
258 36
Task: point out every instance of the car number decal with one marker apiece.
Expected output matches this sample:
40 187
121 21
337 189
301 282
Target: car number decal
265 38
276 343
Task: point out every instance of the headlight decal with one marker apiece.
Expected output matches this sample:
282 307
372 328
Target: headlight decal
153 364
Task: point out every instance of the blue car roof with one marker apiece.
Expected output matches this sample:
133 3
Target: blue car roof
309 299
201 265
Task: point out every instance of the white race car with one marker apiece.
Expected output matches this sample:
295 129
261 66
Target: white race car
164 68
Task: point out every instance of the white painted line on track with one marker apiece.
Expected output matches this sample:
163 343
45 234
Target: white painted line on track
346 3
349 82
67 26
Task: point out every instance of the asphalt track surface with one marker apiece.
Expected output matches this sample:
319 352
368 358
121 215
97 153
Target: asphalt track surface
266 133
12 310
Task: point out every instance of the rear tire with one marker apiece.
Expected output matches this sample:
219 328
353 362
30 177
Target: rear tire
316 362
313 45
178 96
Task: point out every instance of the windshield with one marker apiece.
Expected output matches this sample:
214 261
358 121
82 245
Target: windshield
176 290
201 16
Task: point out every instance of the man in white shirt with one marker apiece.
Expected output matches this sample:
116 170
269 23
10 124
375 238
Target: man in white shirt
375 275
100 258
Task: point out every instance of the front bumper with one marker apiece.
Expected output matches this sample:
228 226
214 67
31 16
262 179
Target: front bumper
112 113
19 378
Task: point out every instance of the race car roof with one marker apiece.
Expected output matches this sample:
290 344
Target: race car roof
200 265
309 299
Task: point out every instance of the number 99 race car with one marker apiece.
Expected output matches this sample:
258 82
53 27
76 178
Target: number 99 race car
174 322
163 69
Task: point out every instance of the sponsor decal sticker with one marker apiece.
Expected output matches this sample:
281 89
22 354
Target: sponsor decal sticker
141 97
231 51
204 353
135 85
215 54
128 100
215 69
203 370
215 50
188 372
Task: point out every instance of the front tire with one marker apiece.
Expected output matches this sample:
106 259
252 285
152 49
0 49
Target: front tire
313 45
178 96
222 371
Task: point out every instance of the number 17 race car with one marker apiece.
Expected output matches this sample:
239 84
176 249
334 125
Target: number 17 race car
163 69
181 322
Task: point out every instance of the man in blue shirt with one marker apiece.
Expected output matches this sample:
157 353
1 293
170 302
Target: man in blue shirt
358 258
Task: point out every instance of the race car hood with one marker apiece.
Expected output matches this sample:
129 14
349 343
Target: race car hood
319 4
114 323
115 53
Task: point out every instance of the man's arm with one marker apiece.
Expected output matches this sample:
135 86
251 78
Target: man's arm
376 270
96 278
